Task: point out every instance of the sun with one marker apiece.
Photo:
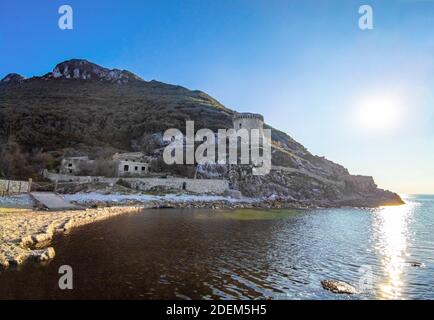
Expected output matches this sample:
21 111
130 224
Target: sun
379 113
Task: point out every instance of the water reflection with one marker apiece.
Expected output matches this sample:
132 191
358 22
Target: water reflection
391 227
241 254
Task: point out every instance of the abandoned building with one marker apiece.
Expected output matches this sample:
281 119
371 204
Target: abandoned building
120 166
130 157
72 165
131 168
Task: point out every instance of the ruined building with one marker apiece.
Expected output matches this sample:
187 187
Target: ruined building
121 165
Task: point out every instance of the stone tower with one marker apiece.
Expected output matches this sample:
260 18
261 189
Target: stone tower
248 121
256 148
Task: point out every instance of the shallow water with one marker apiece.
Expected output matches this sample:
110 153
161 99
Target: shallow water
278 254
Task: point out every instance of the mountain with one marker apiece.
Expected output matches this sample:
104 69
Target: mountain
85 70
81 108
12 78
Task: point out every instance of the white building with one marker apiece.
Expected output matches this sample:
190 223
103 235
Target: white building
120 166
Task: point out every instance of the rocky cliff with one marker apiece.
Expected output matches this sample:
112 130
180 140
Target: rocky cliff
81 108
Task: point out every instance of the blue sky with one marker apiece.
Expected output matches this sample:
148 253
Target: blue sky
305 65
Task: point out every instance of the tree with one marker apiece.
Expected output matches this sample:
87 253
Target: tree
13 162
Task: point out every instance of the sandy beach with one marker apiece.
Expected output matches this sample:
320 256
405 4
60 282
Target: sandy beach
26 233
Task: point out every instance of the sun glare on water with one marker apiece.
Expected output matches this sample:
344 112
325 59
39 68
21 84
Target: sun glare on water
392 240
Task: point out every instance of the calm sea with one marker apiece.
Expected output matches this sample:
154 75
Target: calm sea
242 254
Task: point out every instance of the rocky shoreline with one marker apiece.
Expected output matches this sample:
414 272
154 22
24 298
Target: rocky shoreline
26 235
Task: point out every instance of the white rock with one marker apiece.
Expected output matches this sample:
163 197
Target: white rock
43 255
42 237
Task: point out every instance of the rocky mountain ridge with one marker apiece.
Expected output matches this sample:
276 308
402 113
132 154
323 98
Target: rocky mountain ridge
12 78
83 70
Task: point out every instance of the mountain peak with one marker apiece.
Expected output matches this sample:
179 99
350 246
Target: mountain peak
86 70
13 78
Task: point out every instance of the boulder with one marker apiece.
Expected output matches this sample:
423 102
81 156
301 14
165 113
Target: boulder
416 264
48 254
43 255
41 237
27 241
338 287
234 194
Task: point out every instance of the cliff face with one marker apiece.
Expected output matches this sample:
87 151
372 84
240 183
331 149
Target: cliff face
311 189
81 108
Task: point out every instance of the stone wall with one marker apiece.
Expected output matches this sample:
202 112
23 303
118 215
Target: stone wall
14 187
208 186
214 186
79 179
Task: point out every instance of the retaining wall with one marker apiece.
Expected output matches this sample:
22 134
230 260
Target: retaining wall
14 187
214 186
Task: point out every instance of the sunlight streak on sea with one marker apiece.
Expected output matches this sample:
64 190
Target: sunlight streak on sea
391 228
